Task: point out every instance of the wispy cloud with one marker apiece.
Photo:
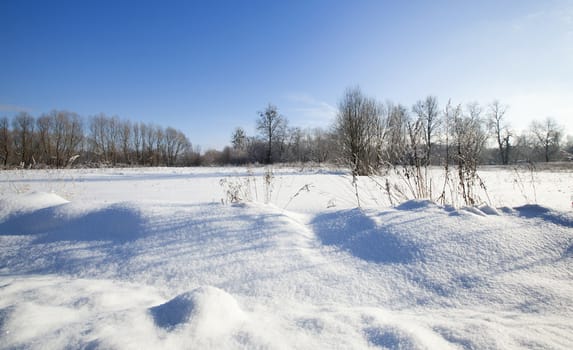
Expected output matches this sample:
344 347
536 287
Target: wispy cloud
559 17
307 111
525 22
13 108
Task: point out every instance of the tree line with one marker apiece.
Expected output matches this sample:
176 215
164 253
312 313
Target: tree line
371 134
366 135
276 142
373 137
62 139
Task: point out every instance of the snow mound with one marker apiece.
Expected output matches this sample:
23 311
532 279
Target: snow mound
468 257
469 210
416 204
29 202
534 211
118 222
482 210
209 311
488 210
92 274
39 200
358 233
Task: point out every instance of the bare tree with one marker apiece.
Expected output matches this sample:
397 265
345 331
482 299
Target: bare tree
175 143
523 147
428 113
239 139
238 154
468 137
62 125
272 127
58 135
138 141
44 130
126 140
159 151
568 144
450 115
57 139
295 145
105 138
147 141
23 127
113 139
74 136
396 126
415 167
500 129
547 136
322 145
359 132
97 137
5 141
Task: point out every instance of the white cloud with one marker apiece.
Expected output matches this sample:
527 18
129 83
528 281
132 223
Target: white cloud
306 111
525 22
13 108
553 23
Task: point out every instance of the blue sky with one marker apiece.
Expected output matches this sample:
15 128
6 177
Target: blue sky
206 67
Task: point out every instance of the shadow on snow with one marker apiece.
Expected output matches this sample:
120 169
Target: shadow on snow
532 211
117 223
355 232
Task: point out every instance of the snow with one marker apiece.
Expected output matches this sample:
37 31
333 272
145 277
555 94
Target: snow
29 202
158 258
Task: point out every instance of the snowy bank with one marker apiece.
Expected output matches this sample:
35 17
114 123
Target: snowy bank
170 272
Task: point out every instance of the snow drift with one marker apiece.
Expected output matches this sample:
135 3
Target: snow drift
181 273
209 311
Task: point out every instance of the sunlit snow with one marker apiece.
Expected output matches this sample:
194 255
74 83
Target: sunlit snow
159 258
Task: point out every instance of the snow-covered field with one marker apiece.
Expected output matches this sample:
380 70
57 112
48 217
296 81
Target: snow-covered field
158 258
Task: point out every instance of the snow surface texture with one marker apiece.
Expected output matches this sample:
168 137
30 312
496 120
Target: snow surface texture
152 258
